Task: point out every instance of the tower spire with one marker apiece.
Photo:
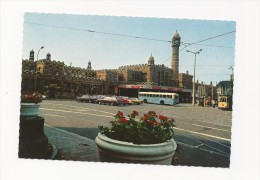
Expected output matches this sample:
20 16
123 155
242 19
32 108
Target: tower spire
175 58
89 65
31 57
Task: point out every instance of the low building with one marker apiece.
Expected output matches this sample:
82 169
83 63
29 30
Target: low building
57 80
225 88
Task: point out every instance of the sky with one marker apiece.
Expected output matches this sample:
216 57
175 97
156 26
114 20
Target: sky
108 42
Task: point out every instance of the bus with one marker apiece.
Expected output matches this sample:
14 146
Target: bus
159 97
225 102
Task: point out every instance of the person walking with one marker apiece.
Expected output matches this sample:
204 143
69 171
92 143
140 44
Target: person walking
214 103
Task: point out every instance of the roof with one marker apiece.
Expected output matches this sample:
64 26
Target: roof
224 84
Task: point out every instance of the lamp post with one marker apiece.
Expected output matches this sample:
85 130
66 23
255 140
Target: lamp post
193 89
36 69
232 75
231 79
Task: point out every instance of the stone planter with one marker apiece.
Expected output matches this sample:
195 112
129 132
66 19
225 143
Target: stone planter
29 109
32 141
111 150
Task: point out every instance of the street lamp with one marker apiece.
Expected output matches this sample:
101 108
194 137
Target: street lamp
36 68
193 89
232 75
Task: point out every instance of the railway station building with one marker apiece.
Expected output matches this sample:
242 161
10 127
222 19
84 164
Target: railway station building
58 80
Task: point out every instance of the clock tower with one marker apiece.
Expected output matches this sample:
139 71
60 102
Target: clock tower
176 40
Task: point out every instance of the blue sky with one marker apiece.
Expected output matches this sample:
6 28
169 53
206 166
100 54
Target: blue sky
109 51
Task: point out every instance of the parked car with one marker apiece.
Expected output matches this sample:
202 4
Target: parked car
86 98
124 100
96 98
134 100
113 101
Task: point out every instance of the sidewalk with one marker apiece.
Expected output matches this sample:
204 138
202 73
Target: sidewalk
71 146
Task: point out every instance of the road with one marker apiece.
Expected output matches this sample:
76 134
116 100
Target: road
203 133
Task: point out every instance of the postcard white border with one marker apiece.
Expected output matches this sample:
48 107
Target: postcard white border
245 128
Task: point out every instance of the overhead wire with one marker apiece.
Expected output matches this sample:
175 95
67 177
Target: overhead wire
189 44
100 32
196 43
139 37
124 35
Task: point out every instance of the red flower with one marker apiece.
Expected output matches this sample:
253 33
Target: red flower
152 113
135 113
123 120
151 122
119 113
164 118
145 117
31 98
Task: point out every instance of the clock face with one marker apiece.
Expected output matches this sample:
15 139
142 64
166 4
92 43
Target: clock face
176 41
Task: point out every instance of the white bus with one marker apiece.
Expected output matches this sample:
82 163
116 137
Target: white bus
159 98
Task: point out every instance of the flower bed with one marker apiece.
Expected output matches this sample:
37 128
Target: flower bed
149 129
36 97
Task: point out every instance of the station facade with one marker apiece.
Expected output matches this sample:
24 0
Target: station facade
57 80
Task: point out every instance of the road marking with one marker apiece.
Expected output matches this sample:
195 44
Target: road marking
75 112
81 108
54 115
210 122
193 132
113 117
210 127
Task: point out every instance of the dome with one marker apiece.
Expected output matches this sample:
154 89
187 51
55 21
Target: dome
151 60
176 35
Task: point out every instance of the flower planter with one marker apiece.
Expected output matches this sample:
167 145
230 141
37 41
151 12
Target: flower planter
29 109
111 150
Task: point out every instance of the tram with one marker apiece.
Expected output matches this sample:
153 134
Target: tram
225 102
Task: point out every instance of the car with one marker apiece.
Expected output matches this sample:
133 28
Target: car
96 97
86 98
134 100
124 100
113 101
